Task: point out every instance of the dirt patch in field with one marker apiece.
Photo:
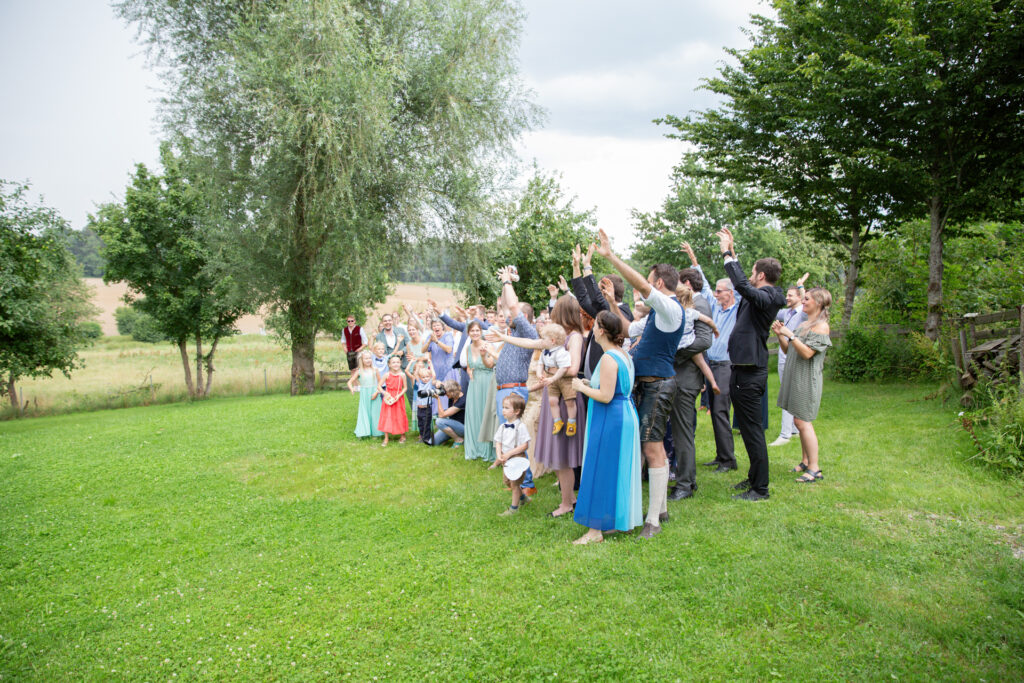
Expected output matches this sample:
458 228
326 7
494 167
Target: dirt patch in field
108 297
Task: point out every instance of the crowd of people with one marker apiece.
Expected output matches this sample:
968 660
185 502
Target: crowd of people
593 390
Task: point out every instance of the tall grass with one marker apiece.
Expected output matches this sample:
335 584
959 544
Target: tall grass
122 373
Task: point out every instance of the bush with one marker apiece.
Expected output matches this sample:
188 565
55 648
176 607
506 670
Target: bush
998 431
91 330
873 353
138 325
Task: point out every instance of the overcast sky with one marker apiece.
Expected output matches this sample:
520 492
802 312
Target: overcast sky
79 102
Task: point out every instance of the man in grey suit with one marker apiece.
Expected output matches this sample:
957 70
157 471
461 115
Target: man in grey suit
688 383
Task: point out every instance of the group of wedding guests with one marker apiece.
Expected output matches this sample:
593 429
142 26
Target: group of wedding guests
587 391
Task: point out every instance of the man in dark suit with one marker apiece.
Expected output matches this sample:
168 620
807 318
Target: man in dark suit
748 354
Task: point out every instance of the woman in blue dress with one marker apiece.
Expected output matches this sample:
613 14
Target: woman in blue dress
609 496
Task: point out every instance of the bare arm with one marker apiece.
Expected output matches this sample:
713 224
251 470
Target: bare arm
609 377
494 335
575 354
635 279
709 322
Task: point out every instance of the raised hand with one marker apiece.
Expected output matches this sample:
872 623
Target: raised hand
802 280
607 290
553 291
725 240
689 252
562 284
605 247
576 255
492 334
589 256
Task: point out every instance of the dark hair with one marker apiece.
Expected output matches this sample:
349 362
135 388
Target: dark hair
611 323
617 284
770 268
667 274
567 314
518 404
692 275
473 323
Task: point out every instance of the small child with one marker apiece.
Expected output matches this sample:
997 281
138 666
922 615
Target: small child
510 442
423 390
555 361
366 380
393 419
380 361
692 315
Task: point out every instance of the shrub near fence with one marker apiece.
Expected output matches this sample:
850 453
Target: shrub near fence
886 352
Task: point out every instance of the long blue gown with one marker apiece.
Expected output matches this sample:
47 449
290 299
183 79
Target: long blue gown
609 496
369 408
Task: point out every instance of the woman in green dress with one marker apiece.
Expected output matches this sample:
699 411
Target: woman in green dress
800 393
479 362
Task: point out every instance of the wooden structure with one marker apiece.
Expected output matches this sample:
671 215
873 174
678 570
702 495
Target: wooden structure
334 379
989 345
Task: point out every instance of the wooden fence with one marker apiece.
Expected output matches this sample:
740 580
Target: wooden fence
989 345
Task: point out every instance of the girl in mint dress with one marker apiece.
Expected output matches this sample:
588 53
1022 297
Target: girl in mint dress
366 381
479 400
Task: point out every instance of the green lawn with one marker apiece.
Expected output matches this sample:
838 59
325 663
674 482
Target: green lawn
257 539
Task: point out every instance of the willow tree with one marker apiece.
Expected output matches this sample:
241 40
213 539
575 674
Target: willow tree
333 131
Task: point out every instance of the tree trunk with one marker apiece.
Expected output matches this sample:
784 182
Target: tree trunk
937 221
12 392
199 366
850 283
188 368
303 336
208 361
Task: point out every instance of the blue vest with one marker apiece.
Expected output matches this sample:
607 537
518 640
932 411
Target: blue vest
656 350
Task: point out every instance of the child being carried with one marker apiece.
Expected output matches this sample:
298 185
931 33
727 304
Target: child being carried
554 373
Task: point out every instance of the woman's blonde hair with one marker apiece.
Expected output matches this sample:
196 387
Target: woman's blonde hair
823 298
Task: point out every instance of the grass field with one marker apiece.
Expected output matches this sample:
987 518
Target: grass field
256 539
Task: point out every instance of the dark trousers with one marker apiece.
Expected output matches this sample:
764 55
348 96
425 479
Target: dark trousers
352 359
684 421
724 445
746 387
423 419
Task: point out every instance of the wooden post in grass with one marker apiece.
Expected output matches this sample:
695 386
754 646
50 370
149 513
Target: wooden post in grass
265 390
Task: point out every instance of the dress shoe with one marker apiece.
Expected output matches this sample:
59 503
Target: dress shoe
781 441
650 531
679 493
751 495
663 517
742 486
724 468
711 463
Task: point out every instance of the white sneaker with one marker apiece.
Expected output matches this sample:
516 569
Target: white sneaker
780 441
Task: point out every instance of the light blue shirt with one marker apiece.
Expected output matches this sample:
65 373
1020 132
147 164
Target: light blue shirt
725 319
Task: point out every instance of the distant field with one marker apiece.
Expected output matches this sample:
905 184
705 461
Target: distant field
109 297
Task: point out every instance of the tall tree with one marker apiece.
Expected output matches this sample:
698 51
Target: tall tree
856 116
43 301
159 243
334 130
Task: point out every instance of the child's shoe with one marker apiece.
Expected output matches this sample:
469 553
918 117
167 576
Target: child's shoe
557 427
509 512
570 429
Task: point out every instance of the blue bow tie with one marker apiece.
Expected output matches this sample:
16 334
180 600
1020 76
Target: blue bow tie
509 425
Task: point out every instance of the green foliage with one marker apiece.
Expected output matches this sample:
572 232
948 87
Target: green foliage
138 325
983 273
333 133
801 119
43 301
544 226
160 243
875 353
91 330
997 428
699 206
86 247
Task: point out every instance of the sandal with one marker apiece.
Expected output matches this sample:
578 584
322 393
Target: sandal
802 467
810 477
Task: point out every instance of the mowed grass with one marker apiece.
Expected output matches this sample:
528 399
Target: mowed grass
120 373
257 539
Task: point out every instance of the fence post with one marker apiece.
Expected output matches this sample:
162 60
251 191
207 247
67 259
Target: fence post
265 390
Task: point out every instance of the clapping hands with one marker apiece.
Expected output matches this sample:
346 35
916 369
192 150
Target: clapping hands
726 242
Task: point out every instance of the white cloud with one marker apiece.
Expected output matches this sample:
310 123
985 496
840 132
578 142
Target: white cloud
613 175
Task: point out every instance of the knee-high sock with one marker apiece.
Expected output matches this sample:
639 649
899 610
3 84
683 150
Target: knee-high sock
657 478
